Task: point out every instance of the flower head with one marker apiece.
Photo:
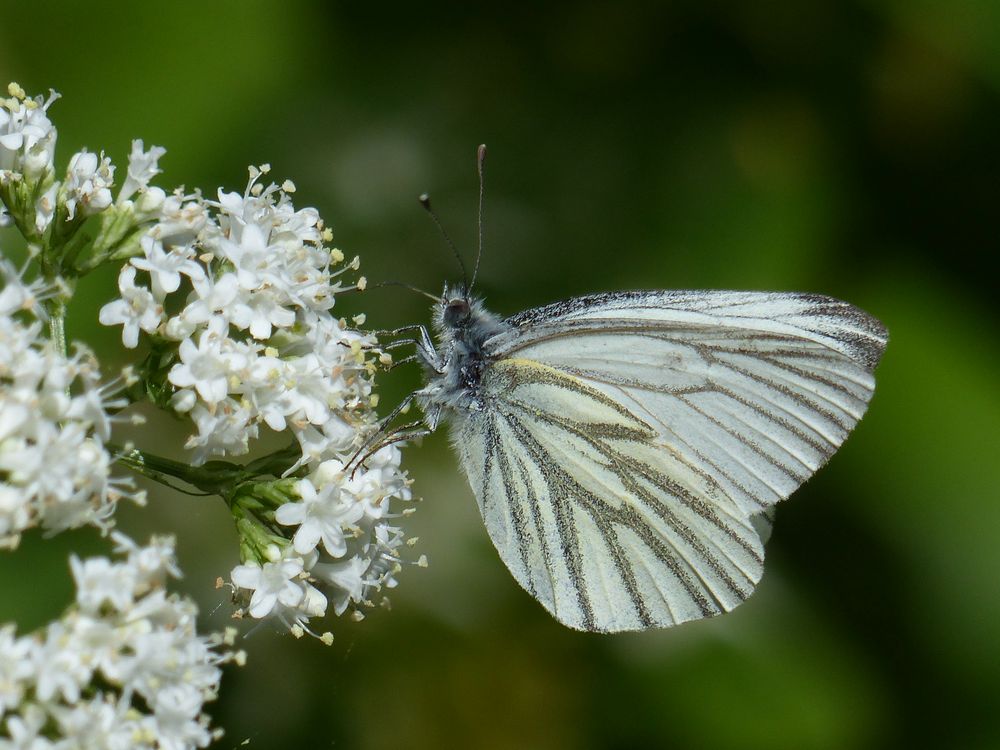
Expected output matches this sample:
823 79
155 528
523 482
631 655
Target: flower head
88 184
54 418
27 136
124 667
142 167
251 283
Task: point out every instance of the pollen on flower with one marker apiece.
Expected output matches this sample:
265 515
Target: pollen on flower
129 375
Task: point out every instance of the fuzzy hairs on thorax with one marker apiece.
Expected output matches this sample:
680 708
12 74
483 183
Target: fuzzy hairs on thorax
461 325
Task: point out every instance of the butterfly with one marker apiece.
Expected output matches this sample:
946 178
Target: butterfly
627 449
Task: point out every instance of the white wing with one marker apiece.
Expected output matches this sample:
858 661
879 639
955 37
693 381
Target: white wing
628 443
755 389
594 515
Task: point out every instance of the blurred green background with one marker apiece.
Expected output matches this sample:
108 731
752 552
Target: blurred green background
848 148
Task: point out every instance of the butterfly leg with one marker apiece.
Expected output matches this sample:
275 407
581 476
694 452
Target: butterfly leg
381 432
402 433
425 349
404 361
397 331
427 352
400 408
398 343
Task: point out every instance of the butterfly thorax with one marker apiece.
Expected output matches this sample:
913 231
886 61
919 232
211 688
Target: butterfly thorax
462 326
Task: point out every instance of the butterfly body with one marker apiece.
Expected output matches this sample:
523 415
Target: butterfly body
624 447
455 366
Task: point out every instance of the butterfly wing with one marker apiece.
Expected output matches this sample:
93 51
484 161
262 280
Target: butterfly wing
756 389
598 518
628 443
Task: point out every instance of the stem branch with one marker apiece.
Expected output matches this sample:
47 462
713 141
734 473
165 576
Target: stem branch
214 478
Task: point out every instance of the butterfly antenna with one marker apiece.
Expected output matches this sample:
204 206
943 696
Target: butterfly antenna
425 201
481 168
412 288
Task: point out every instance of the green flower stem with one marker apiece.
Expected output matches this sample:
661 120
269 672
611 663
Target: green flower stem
57 324
214 478
75 245
61 231
243 486
277 463
20 197
117 239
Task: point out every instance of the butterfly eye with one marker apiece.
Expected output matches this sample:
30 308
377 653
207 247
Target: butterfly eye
456 311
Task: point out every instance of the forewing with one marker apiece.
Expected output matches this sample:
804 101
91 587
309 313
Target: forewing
755 391
609 526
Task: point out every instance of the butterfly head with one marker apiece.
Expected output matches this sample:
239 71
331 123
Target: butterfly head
462 318
455 310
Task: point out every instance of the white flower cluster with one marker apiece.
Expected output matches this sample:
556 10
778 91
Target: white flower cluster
54 421
27 136
123 668
27 147
250 341
249 282
234 297
344 548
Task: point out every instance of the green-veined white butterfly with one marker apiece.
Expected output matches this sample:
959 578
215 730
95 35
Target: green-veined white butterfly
626 449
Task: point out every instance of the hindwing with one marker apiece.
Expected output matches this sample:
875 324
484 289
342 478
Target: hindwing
597 517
